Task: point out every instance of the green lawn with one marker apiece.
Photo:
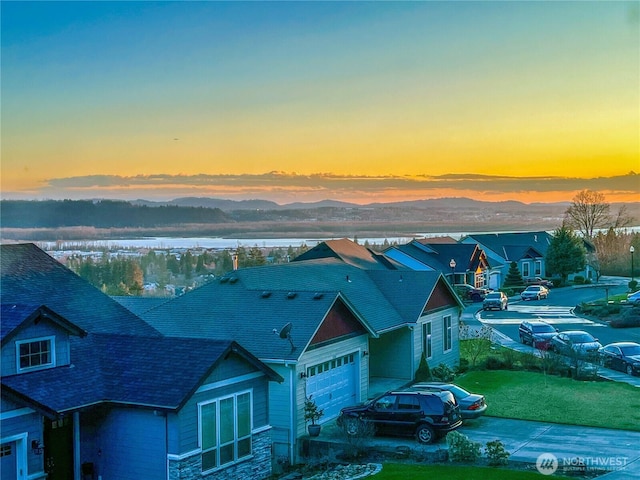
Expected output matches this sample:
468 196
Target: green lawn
534 396
401 471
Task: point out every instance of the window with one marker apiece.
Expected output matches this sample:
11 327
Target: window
408 402
446 328
426 339
36 353
225 430
525 269
5 450
538 268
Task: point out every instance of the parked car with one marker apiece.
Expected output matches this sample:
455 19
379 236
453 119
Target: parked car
424 415
634 298
575 343
623 356
497 300
538 281
534 292
472 405
469 292
536 333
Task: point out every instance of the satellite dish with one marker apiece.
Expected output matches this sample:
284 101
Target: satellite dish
286 333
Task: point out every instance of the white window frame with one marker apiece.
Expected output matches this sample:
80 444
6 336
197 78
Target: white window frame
52 353
427 338
526 269
236 439
447 334
537 268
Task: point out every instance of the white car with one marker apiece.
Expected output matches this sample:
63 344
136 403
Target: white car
534 292
634 297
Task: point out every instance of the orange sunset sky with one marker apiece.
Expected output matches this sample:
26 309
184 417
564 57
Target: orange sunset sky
354 101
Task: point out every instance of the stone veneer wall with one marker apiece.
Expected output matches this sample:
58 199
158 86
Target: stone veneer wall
256 467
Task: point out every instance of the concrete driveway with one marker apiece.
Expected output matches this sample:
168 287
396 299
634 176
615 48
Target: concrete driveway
616 451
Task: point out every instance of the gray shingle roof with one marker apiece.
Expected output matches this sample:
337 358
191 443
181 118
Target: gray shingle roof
30 276
251 305
351 253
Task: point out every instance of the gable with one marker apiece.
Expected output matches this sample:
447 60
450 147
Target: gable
338 323
441 297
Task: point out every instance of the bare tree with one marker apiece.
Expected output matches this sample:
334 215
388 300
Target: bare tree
588 212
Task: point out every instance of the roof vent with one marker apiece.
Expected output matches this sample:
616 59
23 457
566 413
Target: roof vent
318 296
265 294
233 279
224 279
291 295
348 279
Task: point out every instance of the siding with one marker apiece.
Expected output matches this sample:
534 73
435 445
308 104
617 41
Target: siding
42 329
391 355
31 423
132 445
280 412
186 426
450 358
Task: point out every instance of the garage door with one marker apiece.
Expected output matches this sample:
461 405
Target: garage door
333 384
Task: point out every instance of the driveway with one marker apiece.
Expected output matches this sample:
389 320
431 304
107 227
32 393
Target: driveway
597 448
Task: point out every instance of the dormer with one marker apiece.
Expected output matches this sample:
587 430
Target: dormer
34 338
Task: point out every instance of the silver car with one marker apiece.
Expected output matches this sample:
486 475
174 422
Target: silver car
575 343
534 292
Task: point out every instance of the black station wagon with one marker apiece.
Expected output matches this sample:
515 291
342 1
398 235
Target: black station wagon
425 415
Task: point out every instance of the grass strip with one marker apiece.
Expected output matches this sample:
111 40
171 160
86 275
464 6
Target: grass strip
548 398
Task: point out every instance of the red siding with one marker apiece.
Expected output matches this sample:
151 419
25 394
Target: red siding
441 297
338 322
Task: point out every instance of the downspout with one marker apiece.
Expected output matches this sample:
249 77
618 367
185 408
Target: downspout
293 433
76 446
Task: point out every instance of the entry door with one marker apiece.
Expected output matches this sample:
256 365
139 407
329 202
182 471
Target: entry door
58 448
8 461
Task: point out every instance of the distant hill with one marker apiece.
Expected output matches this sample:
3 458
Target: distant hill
192 216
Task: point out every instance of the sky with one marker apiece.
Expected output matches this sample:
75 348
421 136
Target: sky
304 101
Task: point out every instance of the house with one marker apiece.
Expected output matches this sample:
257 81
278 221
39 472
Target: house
460 263
332 330
89 390
351 253
527 249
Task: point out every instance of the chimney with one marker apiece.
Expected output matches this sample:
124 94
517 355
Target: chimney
234 258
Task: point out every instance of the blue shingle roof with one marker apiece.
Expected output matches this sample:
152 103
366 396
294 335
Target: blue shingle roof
157 372
30 276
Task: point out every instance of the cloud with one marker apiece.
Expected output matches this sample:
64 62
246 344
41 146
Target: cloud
284 187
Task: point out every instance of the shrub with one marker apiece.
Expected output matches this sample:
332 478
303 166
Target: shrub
442 373
629 318
463 366
494 363
461 449
633 284
423 374
496 453
578 280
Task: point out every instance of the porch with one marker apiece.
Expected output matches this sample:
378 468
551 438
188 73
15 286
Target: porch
379 385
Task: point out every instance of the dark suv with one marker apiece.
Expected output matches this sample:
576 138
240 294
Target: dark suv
538 334
425 415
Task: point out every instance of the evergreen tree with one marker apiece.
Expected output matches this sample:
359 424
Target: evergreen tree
423 374
513 278
566 253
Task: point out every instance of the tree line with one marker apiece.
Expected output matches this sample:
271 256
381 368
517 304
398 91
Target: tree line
102 214
125 274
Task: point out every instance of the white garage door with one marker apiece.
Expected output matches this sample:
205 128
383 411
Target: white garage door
332 384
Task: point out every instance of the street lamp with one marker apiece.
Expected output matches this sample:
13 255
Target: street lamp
452 264
631 250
